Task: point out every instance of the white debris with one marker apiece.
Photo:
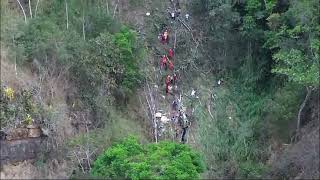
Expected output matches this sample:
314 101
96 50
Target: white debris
187 16
148 14
172 14
219 82
184 109
230 117
164 119
158 115
193 92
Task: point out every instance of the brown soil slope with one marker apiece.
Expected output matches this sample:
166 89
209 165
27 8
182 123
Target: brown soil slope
300 160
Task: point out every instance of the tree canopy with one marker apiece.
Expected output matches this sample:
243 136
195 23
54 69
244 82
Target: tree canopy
165 160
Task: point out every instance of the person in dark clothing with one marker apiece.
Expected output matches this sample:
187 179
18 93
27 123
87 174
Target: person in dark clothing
175 104
183 137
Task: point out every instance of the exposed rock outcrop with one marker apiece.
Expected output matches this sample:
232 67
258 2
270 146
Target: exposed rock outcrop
20 150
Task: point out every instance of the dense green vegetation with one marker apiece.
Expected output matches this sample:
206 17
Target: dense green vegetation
96 54
105 54
266 51
166 160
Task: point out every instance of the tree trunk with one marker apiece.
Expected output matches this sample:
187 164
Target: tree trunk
309 91
107 1
83 22
30 8
67 16
35 13
24 13
115 9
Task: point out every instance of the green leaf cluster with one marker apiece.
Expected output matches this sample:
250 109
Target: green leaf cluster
296 44
131 160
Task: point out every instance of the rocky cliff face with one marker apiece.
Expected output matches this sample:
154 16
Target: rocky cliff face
19 150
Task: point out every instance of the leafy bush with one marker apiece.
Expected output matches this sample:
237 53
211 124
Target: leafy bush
17 107
102 58
166 160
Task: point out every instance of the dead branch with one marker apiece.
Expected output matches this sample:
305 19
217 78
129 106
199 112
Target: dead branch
107 2
67 16
309 91
190 30
30 8
24 13
152 108
209 110
79 161
115 9
36 10
184 24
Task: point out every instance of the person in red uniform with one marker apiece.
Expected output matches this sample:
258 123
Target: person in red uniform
163 62
171 65
170 55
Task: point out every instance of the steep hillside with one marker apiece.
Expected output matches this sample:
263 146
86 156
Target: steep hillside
179 89
300 159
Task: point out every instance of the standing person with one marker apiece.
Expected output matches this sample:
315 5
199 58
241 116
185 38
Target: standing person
165 37
167 89
176 104
171 53
168 79
163 62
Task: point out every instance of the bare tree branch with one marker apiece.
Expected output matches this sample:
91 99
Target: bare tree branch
309 91
30 9
115 9
24 13
35 13
83 29
67 16
107 2
79 161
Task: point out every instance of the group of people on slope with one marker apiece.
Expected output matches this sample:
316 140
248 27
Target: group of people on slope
171 78
166 63
179 115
